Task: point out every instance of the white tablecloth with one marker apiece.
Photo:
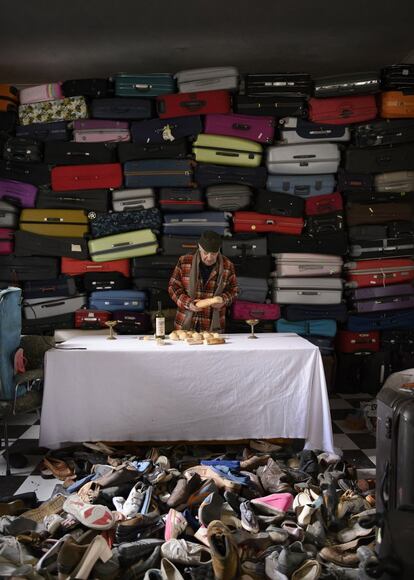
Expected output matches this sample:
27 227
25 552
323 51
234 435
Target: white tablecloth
97 389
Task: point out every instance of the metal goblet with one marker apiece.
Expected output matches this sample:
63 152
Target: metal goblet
252 323
111 324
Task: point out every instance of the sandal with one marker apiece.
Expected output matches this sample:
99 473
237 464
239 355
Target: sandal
59 468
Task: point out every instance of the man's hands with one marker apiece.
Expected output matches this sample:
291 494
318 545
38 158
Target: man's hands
219 305
193 307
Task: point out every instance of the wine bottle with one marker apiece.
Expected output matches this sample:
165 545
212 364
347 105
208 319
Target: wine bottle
159 323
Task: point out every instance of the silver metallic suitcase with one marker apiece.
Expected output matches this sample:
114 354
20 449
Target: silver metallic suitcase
207 79
303 159
44 307
306 290
133 199
292 265
294 131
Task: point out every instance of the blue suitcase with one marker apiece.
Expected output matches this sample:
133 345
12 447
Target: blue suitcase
159 173
165 130
302 185
143 85
381 321
119 108
307 327
56 131
112 300
194 224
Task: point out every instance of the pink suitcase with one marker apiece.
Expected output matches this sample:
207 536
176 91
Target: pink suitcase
260 129
39 93
243 310
6 241
98 130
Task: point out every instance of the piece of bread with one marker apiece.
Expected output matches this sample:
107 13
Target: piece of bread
192 341
215 341
206 302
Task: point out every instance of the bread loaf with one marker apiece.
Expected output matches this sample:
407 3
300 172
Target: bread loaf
206 302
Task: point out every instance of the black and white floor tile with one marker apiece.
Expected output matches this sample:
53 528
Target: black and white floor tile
358 448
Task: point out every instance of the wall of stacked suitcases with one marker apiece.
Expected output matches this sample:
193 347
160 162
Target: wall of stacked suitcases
105 182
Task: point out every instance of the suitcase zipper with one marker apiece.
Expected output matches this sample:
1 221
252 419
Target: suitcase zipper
186 172
122 247
230 152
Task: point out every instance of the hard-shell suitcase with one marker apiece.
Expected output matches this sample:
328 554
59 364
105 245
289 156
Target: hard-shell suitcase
396 104
378 213
350 342
47 326
383 132
292 265
252 289
274 84
302 185
9 215
294 131
296 312
17 269
159 173
50 222
383 247
94 281
94 176
308 327
45 307
23 149
336 244
8 122
169 150
260 129
194 224
362 372
98 130
195 103
375 197
355 182
361 83
325 224
57 131
243 310
398 77
143 85
91 319
379 292
133 199
228 197
342 110
91 88
207 79
130 322
151 266
31 173
31 244
392 320
394 181
127 245
67 109
114 300
207 174
400 229
119 108
326 345
245 246
323 204
250 221
223 150
278 106
397 340
6 241
166 130
380 159
62 286
79 267
303 159
9 97
179 199
107 224
307 290
89 200
382 272
79 153
252 267
282 204
178 245
39 93
367 233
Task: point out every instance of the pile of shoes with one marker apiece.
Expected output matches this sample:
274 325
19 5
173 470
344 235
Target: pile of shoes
191 512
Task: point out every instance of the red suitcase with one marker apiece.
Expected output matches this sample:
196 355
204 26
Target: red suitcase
96 176
244 310
320 204
76 267
187 104
342 110
251 221
91 319
367 273
349 342
6 241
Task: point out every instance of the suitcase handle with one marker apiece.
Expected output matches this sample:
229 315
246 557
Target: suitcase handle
193 105
227 154
54 304
308 293
241 126
256 312
304 156
53 220
301 189
345 113
270 222
78 153
121 244
385 158
142 87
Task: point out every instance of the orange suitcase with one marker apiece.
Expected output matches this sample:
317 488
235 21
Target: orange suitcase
9 98
396 104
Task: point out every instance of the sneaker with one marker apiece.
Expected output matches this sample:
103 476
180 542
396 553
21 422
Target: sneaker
248 518
118 502
291 558
210 508
224 552
274 504
182 490
169 571
175 524
310 570
185 553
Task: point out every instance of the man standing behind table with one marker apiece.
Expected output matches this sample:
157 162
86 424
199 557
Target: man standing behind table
205 274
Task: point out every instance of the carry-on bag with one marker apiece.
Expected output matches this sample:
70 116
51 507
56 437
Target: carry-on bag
61 286
179 199
107 224
301 185
228 197
383 132
54 222
179 245
95 200
350 342
362 371
79 267
94 281
399 77
325 224
325 328
245 246
57 131
19 269
207 79
277 106
94 176
32 244
40 93
342 110
299 131
392 297
252 289
207 174
378 213
307 290
127 245
391 320
67 109
113 300
303 159
166 130
45 307
243 310
250 221
382 272
23 149
159 173
222 150
397 340
32 173
360 83
292 265
260 129
143 85
282 204
322 204
273 84
98 130
91 88
153 266
354 182
194 224
70 153
133 199
335 243
380 159
382 248
91 319
296 312
396 104
119 108
194 103
168 150
367 233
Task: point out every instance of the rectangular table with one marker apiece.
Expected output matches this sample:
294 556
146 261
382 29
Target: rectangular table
130 389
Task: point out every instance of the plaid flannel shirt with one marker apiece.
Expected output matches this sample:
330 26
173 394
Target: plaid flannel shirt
179 286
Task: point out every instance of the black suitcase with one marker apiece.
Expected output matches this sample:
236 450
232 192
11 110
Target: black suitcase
168 150
383 132
297 312
229 197
363 83
179 199
8 120
367 233
62 286
362 371
19 269
23 149
258 267
153 266
380 159
395 548
325 225
245 245
165 130
400 229
92 88
121 108
281 106
94 281
47 326
335 244
378 197
56 131
382 248
397 340
179 245
398 77
96 200
278 84
354 182
34 173
325 345
28 244
208 174
279 203
80 153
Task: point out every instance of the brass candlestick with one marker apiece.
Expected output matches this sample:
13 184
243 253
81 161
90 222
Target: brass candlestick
252 323
111 324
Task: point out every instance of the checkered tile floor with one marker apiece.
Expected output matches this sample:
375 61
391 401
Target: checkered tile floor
358 448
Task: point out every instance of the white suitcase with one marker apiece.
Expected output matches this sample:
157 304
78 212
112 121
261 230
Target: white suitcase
306 290
294 130
133 199
303 159
307 265
394 182
207 79
43 307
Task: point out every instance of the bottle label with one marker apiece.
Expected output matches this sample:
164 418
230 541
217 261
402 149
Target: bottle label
160 326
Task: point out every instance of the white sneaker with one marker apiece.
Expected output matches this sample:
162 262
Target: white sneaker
118 502
185 553
134 501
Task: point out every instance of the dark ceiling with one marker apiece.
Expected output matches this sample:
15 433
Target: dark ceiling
44 40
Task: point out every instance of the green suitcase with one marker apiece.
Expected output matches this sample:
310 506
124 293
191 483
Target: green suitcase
128 245
223 150
66 223
145 85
